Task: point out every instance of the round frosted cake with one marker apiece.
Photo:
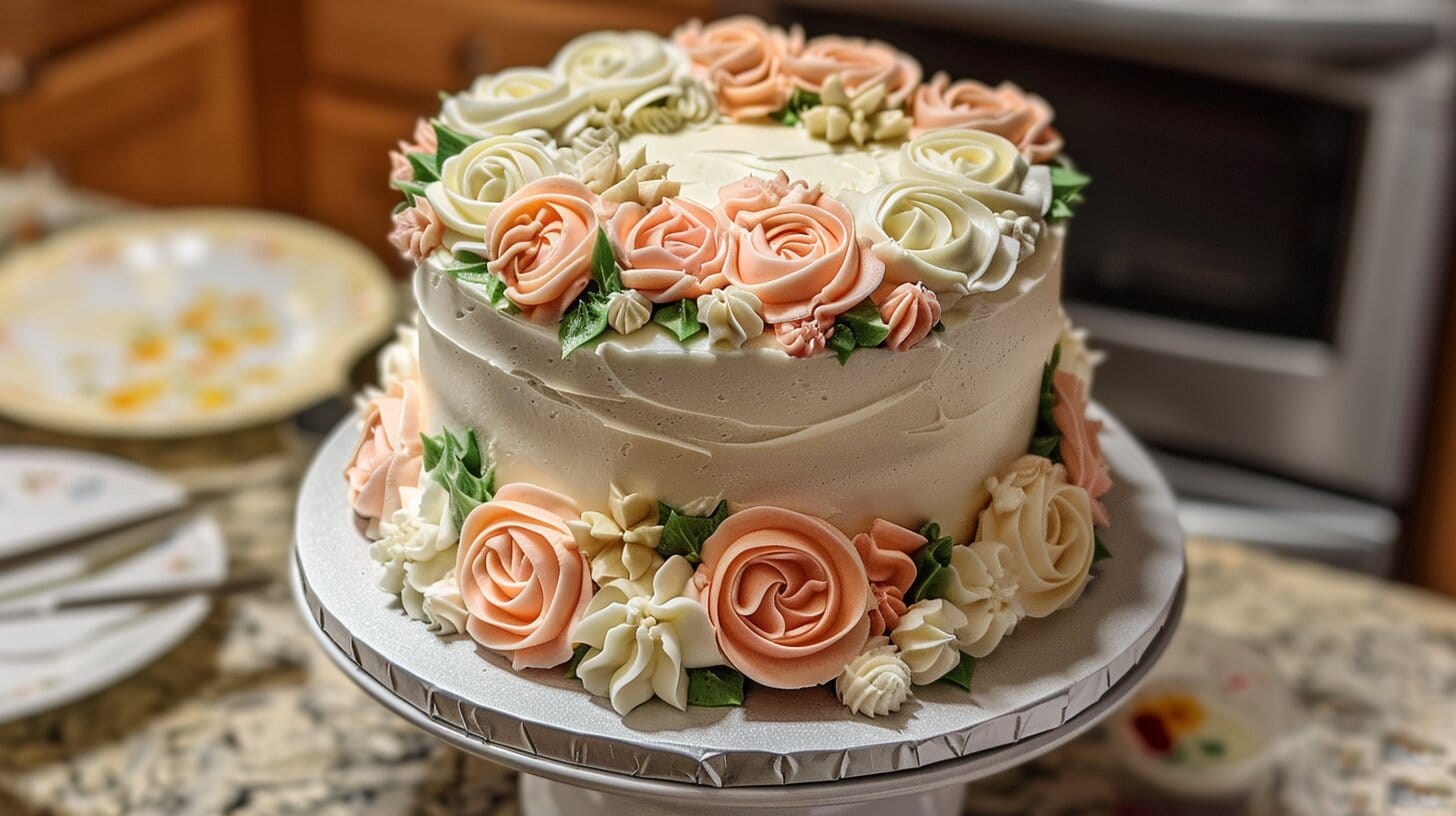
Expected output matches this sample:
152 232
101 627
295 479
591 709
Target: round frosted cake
739 360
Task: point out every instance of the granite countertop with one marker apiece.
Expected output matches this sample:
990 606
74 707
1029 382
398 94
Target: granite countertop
247 716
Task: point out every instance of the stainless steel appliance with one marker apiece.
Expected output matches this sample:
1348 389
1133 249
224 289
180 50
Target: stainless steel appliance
1266 241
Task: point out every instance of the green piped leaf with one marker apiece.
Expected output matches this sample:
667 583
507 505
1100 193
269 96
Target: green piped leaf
586 321
960 676
842 342
680 318
411 190
605 271
424 167
1046 440
460 466
471 268
932 566
869 329
683 534
799 101
577 655
448 143
1067 185
715 686
1099 550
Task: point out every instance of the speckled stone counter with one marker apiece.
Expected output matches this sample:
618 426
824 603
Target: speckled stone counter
247 716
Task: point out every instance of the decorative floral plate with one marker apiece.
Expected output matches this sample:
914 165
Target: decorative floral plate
184 322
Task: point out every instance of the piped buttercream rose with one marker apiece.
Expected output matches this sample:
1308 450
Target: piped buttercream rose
514 100
389 454
539 241
885 551
1081 450
670 252
787 595
476 180
858 63
616 66
1047 523
1007 111
929 232
417 231
910 312
796 249
743 60
523 580
983 165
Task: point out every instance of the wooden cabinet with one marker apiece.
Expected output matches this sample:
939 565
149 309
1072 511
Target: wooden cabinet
160 112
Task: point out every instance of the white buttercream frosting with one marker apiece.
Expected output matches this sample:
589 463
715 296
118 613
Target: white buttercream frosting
514 100
399 360
987 167
643 642
621 543
1076 358
416 552
607 66
628 311
985 589
1047 524
732 316
926 638
875 683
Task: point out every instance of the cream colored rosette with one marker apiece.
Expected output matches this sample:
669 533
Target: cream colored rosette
617 66
986 591
875 683
621 543
514 100
415 558
985 166
732 317
686 102
595 158
928 232
1047 523
476 180
926 638
642 643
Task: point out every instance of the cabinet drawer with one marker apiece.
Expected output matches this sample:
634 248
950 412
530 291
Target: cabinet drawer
346 166
160 113
418 49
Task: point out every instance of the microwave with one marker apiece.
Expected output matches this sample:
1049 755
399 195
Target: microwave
1265 244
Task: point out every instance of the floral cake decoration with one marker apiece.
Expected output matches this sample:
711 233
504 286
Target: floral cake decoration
524 187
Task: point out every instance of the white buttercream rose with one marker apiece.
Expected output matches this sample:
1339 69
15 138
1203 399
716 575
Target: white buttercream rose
985 166
1047 523
642 643
925 636
476 180
512 101
928 232
607 66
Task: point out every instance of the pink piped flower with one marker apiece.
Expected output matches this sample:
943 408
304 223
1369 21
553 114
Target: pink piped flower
540 242
743 60
418 231
671 252
858 63
886 551
911 311
802 338
424 142
1081 450
1022 118
389 454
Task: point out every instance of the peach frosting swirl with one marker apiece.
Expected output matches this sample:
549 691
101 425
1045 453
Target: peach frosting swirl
859 64
1007 111
418 231
796 249
911 311
671 252
389 454
743 59
540 240
787 594
522 579
1081 450
886 552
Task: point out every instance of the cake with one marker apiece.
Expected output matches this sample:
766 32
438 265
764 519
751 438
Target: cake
739 362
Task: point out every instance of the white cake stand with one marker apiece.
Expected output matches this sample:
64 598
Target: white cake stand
790 752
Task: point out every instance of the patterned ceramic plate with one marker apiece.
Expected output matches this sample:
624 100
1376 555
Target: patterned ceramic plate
184 322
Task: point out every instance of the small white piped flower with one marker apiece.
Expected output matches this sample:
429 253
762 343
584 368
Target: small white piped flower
622 544
628 311
863 117
926 639
1023 229
876 682
732 317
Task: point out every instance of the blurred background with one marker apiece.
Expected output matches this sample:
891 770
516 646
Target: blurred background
1266 252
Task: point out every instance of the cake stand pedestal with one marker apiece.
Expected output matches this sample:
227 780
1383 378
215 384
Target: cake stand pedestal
790 753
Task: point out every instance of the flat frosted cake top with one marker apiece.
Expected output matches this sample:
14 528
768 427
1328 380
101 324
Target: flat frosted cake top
732 181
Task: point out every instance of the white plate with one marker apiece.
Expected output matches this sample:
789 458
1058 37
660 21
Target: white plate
49 495
184 322
48 662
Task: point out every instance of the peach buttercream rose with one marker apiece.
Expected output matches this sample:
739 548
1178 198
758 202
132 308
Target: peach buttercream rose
743 60
886 552
670 252
522 579
787 595
389 454
540 240
418 231
911 311
1081 450
796 250
1007 111
858 63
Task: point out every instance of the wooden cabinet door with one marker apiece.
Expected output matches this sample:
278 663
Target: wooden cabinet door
345 178
159 113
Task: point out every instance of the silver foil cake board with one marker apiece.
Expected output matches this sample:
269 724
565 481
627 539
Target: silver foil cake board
1051 679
